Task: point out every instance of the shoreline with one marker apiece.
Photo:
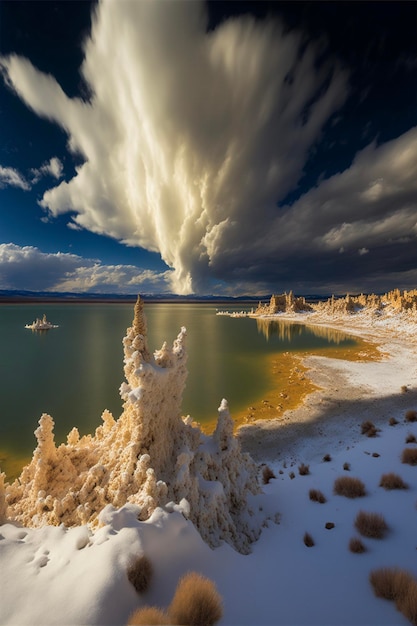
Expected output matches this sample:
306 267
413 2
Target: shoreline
347 391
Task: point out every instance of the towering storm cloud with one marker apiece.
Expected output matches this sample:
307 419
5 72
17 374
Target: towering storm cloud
190 138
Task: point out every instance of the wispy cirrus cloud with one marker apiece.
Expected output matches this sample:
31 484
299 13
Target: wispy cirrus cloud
11 177
53 167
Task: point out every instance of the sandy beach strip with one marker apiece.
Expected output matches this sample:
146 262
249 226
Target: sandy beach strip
347 391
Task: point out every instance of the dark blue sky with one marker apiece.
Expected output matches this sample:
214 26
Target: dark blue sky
221 147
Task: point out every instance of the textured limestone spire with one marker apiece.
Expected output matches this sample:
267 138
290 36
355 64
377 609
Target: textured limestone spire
139 328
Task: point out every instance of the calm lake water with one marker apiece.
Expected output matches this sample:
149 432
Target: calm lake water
74 372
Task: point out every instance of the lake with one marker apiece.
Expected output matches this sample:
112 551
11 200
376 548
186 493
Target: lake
74 372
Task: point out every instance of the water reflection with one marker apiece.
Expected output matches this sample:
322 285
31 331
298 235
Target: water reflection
289 331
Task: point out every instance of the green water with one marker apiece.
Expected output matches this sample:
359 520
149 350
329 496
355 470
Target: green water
74 372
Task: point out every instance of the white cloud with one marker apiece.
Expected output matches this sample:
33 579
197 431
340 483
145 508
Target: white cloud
10 177
190 137
29 268
52 168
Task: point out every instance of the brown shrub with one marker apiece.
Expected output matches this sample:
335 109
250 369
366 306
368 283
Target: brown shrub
196 602
410 438
411 416
349 487
392 421
327 458
390 583
392 481
267 474
291 475
140 573
409 456
303 469
407 602
316 496
367 427
404 388
356 546
148 616
371 525
308 540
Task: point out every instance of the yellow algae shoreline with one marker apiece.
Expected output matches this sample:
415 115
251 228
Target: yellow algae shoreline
348 384
289 382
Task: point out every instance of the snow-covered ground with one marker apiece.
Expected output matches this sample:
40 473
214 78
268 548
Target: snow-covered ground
54 575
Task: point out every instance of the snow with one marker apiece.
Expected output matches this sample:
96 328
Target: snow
77 576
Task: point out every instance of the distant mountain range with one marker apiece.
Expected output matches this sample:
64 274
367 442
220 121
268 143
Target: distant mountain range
11 295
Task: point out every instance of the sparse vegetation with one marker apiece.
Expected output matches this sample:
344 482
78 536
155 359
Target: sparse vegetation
346 467
267 474
409 456
327 458
148 616
308 540
291 475
329 525
392 421
303 469
196 602
140 573
390 583
356 545
316 496
368 429
404 388
372 525
407 602
411 438
392 481
349 487
411 416
397 585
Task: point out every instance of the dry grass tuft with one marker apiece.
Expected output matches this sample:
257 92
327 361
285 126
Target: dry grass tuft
397 585
196 602
404 388
368 429
140 573
372 525
308 540
349 487
316 496
356 545
291 475
407 602
148 616
411 416
409 456
390 583
392 481
303 469
346 467
411 438
392 421
267 474
327 458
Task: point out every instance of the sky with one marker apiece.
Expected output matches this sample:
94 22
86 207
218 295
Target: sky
228 148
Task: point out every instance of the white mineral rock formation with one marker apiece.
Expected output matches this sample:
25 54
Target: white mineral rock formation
150 457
